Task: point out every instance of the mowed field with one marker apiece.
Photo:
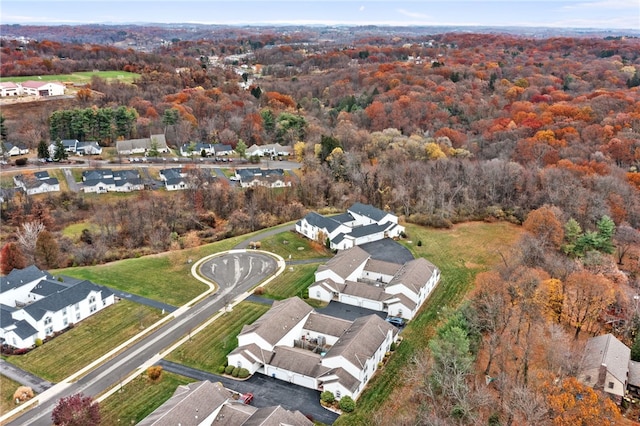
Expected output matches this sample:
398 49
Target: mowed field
77 77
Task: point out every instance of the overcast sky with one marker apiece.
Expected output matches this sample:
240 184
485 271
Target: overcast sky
603 14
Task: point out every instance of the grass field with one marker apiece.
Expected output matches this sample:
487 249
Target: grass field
7 389
291 245
78 77
90 339
291 282
460 253
208 349
138 398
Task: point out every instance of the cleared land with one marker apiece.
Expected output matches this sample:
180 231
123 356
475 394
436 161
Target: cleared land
292 244
78 77
88 341
294 281
138 398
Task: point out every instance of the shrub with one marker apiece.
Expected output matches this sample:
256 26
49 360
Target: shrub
23 393
243 373
347 404
419 243
154 372
392 347
327 396
235 372
229 369
21 161
38 342
259 291
221 369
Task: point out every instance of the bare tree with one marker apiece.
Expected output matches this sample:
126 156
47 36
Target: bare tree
27 238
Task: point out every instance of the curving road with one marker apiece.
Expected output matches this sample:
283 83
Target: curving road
235 272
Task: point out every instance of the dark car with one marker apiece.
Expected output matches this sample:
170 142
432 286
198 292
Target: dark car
398 322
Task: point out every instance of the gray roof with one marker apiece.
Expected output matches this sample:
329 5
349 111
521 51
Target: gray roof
301 361
388 250
321 222
365 291
174 173
285 313
414 274
220 147
19 277
343 377
382 267
144 143
607 351
94 182
343 217
47 287
325 324
345 261
361 340
22 328
374 228
368 211
189 405
66 297
126 174
41 175
634 373
277 416
97 174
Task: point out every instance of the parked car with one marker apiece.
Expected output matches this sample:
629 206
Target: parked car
246 398
398 322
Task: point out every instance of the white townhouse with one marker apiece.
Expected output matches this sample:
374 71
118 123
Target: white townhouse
293 343
174 179
100 181
142 146
37 183
270 150
12 150
196 149
33 305
355 278
270 178
361 224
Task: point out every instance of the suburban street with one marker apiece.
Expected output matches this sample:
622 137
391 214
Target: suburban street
235 273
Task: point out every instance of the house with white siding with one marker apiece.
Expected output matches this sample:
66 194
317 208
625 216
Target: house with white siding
293 343
360 224
142 146
357 278
42 88
35 305
36 183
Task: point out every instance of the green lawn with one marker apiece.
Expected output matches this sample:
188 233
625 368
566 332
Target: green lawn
138 398
460 253
78 77
291 282
208 349
74 231
7 389
88 341
290 243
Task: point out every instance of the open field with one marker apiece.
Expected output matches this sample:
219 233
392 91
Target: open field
291 245
291 282
88 341
78 77
460 253
208 349
7 389
138 398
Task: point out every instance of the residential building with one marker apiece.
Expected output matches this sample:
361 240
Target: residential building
174 179
292 342
101 181
34 305
37 183
252 177
8 88
361 224
41 88
606 365
222 149
206 404
269 150
142 146
357 278
9 149
196 149
88 148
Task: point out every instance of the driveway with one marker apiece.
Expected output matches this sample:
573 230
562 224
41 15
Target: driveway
143 300
71 181
24 377
267 392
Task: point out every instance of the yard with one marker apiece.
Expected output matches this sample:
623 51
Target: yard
89 340
7 388
138 398
208 349
77 77
294 281
291 245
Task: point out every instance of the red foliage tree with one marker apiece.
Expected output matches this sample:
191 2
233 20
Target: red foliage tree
76 410
11 257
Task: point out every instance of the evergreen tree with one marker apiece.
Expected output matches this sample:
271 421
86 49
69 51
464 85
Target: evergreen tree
43 150
60 154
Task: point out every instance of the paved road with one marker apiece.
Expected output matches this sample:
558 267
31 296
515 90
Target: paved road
267 392
143 300
118 368
24 377
268 233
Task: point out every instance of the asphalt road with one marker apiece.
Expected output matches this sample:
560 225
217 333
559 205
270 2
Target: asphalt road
252 268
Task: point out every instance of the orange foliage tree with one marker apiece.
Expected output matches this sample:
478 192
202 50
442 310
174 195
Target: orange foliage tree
572 403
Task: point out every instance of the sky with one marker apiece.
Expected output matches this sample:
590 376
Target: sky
600 14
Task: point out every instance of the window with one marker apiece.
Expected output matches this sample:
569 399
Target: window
78 316
318 294
92 299
338 394
610 385
48 330
92 308
65 322
47 320
77 307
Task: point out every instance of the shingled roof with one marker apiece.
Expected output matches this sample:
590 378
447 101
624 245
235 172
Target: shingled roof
19 277
368 211
608 351
66 297
414 274
279 320
346 261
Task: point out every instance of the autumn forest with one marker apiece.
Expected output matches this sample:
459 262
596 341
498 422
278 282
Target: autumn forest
441 129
